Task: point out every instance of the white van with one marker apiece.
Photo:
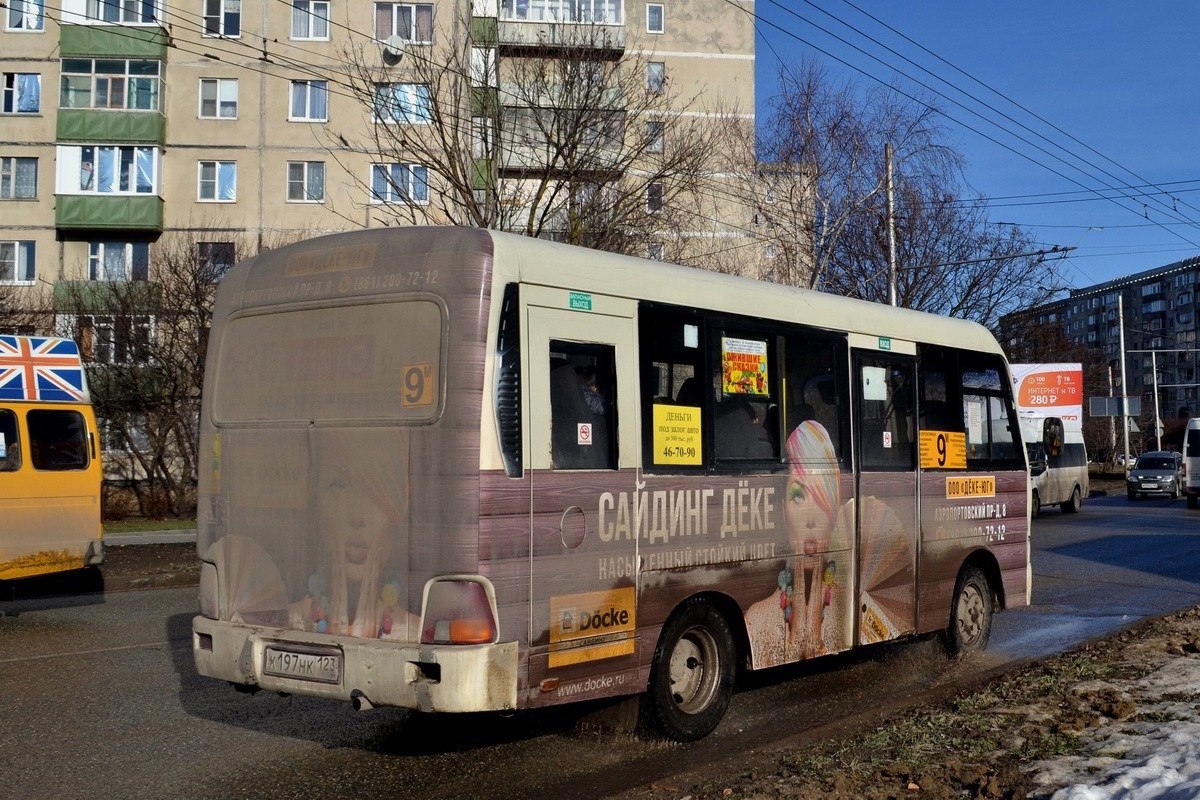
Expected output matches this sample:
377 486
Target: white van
1191 462
1058 470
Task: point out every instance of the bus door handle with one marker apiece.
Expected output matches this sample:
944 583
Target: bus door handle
92 442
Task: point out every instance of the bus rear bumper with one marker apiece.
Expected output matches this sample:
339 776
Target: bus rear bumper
420 677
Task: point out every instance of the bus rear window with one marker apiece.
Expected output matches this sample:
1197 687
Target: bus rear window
57 440
378 361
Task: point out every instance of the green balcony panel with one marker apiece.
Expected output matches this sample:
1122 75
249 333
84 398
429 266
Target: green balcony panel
485 101
113 41
485 31
111 127
112 212
481 173
104 297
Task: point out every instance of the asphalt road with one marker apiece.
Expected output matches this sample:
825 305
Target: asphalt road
101 699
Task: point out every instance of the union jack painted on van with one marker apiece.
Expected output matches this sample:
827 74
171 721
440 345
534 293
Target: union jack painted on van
41 368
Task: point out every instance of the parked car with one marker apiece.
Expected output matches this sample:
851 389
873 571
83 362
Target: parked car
1156 472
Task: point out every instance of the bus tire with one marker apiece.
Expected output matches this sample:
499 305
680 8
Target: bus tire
1035 505
1072 506
692 675
970 613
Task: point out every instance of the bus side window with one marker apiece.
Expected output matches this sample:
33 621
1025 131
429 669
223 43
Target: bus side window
815 380
670 355
987 413
57 440
583 396
745 378
10 442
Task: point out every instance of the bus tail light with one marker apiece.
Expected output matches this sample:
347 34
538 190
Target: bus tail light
209 604
458 612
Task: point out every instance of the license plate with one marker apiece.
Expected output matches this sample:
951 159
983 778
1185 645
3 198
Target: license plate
305 664
1149 485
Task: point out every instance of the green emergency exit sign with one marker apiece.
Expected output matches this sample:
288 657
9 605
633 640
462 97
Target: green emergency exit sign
885 343
580 301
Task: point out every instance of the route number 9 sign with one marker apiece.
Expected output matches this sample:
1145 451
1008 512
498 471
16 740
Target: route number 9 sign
417 385
943 450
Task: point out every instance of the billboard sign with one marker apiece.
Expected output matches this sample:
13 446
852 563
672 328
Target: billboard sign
1049 390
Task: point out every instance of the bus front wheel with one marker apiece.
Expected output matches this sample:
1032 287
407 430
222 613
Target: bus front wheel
970 614
692 675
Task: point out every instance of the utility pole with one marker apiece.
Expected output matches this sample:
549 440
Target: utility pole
891 224
1124 396
1112 421
1157 419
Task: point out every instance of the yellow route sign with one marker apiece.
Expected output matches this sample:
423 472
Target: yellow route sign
943 450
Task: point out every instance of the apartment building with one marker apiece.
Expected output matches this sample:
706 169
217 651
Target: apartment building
1160 307
237 123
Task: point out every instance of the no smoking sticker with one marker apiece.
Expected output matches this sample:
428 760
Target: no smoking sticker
584 433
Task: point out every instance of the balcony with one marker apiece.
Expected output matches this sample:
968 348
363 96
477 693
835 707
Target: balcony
113 41
115 126
547 26
111 212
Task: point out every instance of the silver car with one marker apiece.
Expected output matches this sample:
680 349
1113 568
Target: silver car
1156 472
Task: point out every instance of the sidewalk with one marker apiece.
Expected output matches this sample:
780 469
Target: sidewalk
181 536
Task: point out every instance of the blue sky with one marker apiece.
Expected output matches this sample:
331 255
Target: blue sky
1121 77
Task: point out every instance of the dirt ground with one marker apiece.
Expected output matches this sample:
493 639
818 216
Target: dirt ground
1007 739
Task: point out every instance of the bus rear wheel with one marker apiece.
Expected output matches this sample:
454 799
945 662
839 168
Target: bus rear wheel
1035 505
970 614
692 675
1072 506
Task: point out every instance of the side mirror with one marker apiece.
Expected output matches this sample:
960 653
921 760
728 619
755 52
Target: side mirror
1052 436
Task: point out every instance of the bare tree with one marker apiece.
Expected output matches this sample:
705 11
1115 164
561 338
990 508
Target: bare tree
570 138
144 343
823 203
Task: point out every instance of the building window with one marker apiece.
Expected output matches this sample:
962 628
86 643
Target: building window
306 181
16 262
1151 288
26 15
118 261
412 22
218 98
656 18
218 181
116 339
110 83
22 93
656 77
654 137
654 197
18 178
310 101
402 102
484 71
656 251
215 258
223 18
310 19
105 169
124 12
399 183
1184 298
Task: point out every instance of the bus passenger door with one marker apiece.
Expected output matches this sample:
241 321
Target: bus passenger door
886 436
582 444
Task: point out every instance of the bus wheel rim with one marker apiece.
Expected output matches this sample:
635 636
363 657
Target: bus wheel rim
971 613
694 670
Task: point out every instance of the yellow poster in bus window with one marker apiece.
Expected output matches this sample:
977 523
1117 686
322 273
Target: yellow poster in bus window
743 366
677 435
943 450
591 626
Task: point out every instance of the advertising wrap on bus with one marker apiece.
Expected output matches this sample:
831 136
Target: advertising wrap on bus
1049 401
458 470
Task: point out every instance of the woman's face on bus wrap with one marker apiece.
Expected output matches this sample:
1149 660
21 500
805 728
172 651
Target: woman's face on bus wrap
356 529
808 523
